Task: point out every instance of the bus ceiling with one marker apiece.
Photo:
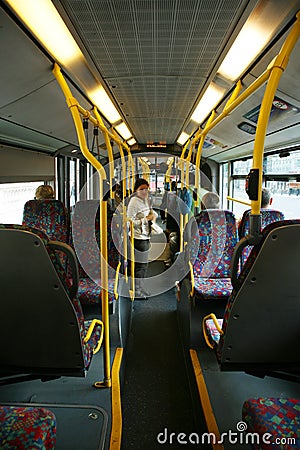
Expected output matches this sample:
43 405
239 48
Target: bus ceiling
157 106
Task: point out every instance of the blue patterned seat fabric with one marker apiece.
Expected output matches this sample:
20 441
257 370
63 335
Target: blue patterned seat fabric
86 241
210 251
27 428
279 417
267 216
49 216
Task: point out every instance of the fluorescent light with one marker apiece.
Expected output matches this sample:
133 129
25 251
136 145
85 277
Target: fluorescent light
100 98
244 50
208 102
131 141
257 32
123 130
183 138
44 21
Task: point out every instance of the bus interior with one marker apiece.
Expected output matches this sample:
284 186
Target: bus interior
98 93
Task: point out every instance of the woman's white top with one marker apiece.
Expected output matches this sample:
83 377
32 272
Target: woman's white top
137 211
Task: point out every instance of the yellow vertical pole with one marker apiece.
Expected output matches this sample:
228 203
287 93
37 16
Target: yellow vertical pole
124 210
109 150
277 67
74 108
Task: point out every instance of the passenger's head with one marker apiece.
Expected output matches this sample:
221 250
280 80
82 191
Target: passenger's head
266 198
44 192
141 187
210 200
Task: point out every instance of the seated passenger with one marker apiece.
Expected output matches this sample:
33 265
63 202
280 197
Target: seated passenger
210 200
266 199
266 202
44 192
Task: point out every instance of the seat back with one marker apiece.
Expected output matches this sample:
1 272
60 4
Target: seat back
267 216
86 231
39 328
49 216
212 242
261 321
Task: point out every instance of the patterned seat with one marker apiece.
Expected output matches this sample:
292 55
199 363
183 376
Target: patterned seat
49 216
267 216
279 417
43 291
259 330
86 240
210 252
27 428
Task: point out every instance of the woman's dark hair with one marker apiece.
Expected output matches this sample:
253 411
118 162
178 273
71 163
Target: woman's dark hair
139 182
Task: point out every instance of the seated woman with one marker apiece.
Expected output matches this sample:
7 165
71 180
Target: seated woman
44 192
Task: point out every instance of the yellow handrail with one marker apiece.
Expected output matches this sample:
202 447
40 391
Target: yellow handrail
109 151
132 261
272 76
76 111
90 331
215 320
239 201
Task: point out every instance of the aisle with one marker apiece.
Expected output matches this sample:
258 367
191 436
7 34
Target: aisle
156 397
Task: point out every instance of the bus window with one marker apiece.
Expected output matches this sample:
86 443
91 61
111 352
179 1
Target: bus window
281 176
12 199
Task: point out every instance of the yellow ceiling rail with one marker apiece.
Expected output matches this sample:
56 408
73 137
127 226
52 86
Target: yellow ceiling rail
275 70
271 76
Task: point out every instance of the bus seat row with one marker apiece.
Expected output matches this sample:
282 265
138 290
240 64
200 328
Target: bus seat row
278 419
27 428
42 327
260 328
52 217
268 215
212 236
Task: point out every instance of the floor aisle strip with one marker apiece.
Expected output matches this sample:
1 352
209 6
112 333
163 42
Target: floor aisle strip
116 410
205 400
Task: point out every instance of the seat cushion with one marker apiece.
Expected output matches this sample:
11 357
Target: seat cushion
280 417
27 428
210 288
89 292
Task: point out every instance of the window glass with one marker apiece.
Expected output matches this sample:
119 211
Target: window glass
224 190
241 167
286 197
239 193
290 164
13 196
73 173
284 185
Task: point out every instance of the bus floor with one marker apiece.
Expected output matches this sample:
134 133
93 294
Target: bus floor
228 390
158 398
83 413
